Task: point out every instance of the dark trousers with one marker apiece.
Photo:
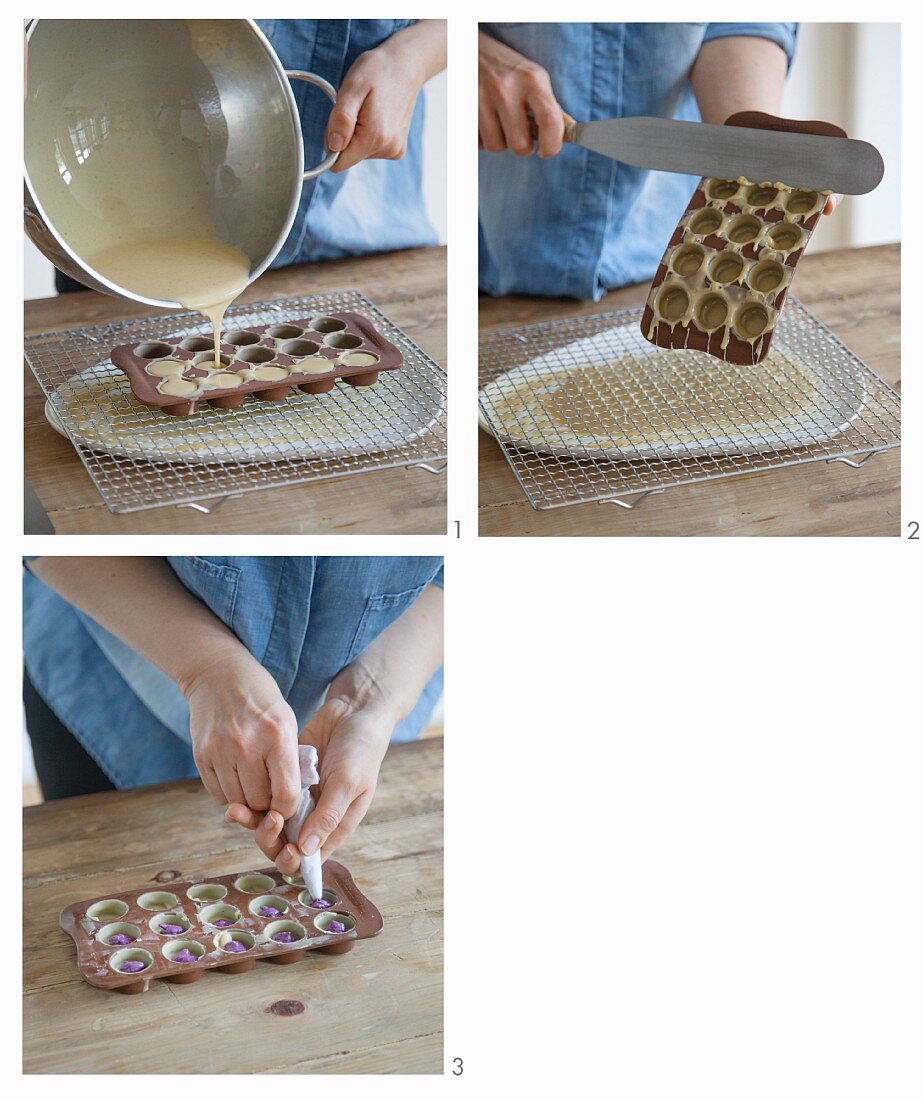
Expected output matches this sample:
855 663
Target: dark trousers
64 766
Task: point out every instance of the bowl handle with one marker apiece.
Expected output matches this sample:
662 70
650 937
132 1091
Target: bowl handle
328 90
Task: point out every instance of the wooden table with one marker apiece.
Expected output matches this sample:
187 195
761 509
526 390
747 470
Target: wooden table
377 1009
856 293
409 286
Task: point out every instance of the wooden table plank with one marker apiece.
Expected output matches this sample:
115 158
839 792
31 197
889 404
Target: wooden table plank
408 286
376 1010
856 293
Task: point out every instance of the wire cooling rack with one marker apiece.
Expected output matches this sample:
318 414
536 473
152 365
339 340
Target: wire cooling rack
141 458
586 409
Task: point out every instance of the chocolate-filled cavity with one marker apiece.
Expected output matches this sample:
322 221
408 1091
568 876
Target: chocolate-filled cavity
766 276
178 387
744 228
802 202
298 349
705 222
270 374
207 892
166 368
240 338
255 355
314 364
762 196
334 921
327 324
153 349
726 268
223 380
327 900
357 359
183 952
197 343
672 303
118 934
284 332
269 906
156 901
206 360
711 312
254 884
220 915
109 910
131 960
170 924
751 321
722 190
785 237
235 943
344 341
279 931
687 259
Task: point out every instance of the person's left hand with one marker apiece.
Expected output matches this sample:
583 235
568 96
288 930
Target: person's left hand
371 117
351 741
833 201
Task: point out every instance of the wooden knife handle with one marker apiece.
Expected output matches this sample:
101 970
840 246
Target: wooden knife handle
570 127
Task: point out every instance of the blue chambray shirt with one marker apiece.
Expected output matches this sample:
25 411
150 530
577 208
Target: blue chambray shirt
377 205
302 618
579 224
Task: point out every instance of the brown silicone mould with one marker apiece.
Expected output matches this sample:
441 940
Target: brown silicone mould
706 298
145 909
329 336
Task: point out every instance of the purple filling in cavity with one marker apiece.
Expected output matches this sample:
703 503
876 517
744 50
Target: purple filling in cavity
336 926
184 956
120 939
236 946
223 923
284 937
320 903
132 966
269 911
171 929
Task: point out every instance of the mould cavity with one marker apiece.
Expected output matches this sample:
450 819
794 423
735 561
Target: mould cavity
170 924
705 222
132 960
285 931
256 355
254 884
183 951
802 202
722 190
198 343
785 237
335 921
156 349
711 312
687 259
751 321
269 905
726 268
227 380
206 359
328 898
284 332
157 901
358 359
766 276
240 338
297 349
220 916
672 304
744 229
166 368
207 891
327 324
343 340
107 910
762 196
244 941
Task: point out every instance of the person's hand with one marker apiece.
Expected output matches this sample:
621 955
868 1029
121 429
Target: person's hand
375 103
351 739
244 735
510 88
833 201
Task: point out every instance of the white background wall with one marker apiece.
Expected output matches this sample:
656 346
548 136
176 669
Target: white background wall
39 274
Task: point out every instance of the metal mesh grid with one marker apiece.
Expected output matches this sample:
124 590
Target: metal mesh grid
669 434
141 458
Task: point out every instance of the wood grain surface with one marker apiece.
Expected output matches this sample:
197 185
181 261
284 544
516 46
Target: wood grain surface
856 293
377 1009
409 287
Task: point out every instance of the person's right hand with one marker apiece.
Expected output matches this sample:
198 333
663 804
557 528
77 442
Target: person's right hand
511 86
244 735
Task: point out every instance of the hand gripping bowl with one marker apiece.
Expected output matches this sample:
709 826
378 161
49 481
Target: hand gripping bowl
724 277
225 923
214 93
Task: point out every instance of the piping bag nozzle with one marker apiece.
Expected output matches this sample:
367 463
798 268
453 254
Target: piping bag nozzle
310 865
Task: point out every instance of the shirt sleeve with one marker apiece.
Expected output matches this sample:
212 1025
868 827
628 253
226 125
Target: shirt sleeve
439 579
783 34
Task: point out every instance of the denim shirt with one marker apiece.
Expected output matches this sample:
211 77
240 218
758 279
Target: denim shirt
303 619
376 205
579 224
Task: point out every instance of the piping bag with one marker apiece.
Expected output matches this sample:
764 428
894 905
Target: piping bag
310 865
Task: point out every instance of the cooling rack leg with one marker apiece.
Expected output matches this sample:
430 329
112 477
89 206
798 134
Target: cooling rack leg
207 509
429 467
851 462
633 503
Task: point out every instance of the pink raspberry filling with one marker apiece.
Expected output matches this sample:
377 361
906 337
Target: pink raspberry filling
184 956
270 911
320 903
336 926
222 923
236 946
132 966
171 929
120 939
284 937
